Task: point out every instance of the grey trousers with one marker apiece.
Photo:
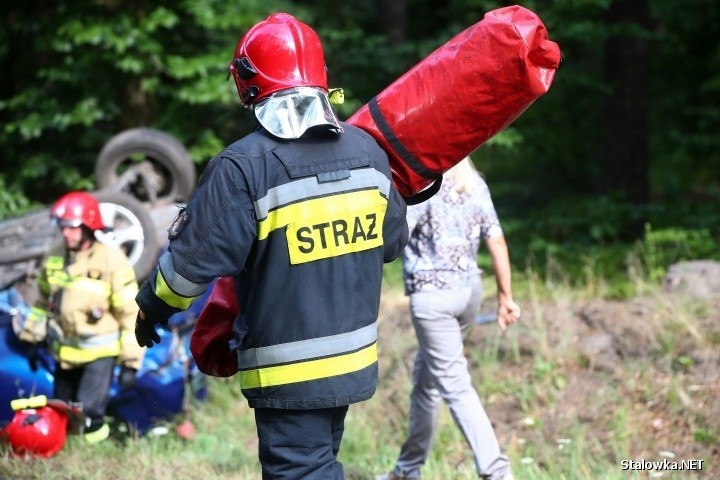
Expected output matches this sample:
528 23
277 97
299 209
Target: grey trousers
442 319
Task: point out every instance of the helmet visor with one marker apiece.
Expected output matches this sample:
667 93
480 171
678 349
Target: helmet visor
291 112
67 222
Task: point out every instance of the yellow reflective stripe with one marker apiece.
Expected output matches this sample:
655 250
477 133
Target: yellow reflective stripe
24 403
89 285
54 263
310 370
301 189
350 232
307 209
73 354
99 435
37 315
58 278
329 226
165 294
308 349
124 296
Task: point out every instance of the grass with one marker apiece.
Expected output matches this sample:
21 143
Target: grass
556 416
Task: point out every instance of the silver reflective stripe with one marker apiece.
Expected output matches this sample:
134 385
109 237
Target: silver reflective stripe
179 284
96 341
307 349
307 188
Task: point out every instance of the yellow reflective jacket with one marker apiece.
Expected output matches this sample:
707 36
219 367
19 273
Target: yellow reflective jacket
89 305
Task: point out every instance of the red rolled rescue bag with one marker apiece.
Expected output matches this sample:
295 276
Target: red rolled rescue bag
428 120
459 96
209 341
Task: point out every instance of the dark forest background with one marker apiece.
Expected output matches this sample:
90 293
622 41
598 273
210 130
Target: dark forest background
622 149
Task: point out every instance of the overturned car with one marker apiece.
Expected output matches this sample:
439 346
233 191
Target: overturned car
142 177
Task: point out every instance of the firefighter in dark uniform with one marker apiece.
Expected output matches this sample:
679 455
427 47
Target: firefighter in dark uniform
302 214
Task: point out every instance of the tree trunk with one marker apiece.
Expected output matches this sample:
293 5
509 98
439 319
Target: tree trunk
137 106
392 17
626 130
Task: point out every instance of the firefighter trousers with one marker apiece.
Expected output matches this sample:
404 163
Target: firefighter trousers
88 384
300 444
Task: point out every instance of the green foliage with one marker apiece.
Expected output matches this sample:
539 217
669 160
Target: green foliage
75 74
704 435
89 71
393 274
12 201
581 239
554 417
661 248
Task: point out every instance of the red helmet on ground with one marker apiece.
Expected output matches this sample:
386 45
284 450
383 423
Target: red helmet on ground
37 432
278 53
77 208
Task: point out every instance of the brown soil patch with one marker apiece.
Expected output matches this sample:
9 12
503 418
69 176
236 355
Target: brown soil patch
642 375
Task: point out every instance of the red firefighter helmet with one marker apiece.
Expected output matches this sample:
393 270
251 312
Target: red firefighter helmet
277 53
77 208
37 432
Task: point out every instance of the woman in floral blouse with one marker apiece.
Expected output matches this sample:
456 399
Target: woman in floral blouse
443 281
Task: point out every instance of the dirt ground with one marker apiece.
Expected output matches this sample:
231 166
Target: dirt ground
639 378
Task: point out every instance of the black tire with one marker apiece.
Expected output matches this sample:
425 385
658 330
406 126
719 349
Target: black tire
131 228
148 164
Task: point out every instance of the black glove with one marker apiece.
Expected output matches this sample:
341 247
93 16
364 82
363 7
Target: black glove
145 333
128 378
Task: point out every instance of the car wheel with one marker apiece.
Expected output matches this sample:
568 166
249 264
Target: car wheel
149 164
131 228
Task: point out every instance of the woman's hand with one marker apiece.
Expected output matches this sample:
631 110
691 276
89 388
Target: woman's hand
508 313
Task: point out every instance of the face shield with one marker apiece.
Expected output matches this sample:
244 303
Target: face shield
289 113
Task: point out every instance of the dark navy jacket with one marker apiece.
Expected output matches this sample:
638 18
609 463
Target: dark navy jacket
304 226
